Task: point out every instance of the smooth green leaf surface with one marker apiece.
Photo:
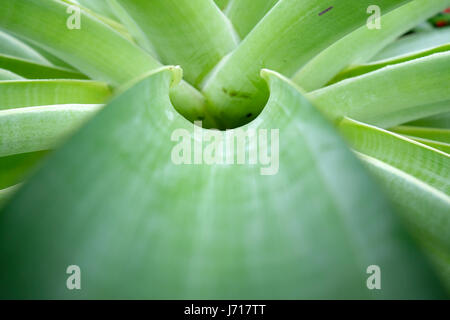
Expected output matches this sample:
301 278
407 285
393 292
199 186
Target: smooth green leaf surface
6 194
221 3
32 70
438 134
13 47
47 55
99 6
8 75
111 21
135 31
231 233
14 168
438 121
27 93
245 14
432 143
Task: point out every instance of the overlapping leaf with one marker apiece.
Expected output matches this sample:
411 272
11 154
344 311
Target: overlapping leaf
290 35
392 95
363 43
231 233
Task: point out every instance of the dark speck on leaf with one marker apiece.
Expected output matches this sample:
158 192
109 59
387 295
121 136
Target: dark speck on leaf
237 94
249 115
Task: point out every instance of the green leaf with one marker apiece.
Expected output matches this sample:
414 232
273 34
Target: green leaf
45 22
27 93
438 134
99 6
418 160
423 27
357 70
138 35
192 33
432 143
423 208
13 47
8 75
441 258
392 95
415 43
363 43
110 21
221 3
15 168
245 14
114 59
6 194
416 178
50 57
437 121
227 231
290 35
32 70
34 129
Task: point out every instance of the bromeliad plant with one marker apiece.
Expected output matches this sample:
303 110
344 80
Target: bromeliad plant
110 200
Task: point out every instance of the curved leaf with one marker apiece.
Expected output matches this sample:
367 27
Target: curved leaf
26 93
13 47
34 129
432 143
8 75
425 208
221 3
392 95
99 6
437 121
135 31
32 70
437 134
415 43
417 180
290 35
418 160
360 45
192 33
231 232
14 168
245 14
45 22
357 70
6 194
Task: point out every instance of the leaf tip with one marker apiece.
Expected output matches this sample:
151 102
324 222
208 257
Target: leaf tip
177 75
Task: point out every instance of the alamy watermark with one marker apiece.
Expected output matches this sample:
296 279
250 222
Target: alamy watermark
74 280
74 20
374 280
230 147
374 21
